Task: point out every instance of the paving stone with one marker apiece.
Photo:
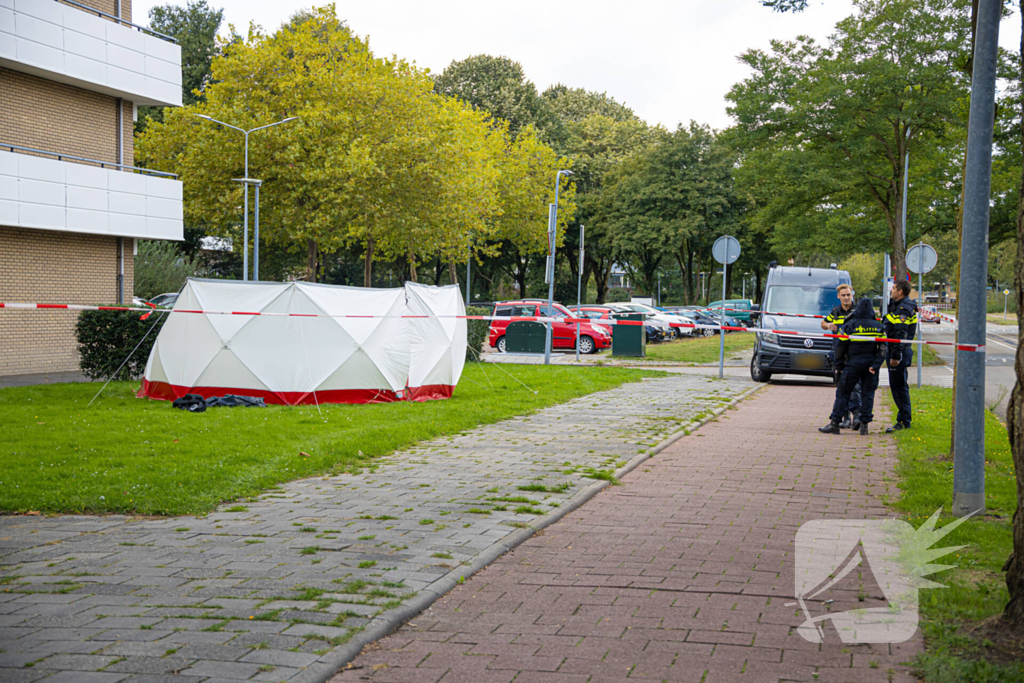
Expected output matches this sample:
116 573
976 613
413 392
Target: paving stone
446 475
682 573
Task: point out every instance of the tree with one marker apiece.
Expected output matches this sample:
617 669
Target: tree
195 28
499 87
160 267
670 202
1014 568
376 159
832 125
865 273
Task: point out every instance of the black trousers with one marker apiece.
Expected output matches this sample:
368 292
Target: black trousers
900 388
854 403
856 373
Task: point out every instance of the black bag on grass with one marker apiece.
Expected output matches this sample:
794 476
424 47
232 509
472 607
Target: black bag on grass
193 403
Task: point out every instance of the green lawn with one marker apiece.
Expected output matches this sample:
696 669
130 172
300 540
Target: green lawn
976 588
125 454
699 349
929 357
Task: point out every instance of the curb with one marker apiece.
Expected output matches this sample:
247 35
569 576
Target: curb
386 624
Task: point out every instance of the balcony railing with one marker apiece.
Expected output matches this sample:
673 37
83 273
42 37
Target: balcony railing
119 20
84 160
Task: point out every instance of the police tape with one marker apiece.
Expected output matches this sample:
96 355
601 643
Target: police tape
979 348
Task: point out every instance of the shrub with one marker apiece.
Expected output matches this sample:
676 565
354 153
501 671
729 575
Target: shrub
476 333
105 338
161 267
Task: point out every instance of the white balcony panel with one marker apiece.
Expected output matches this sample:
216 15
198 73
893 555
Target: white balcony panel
48 194
87 198
122 202
50 40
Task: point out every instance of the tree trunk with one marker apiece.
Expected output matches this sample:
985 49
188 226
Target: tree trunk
1014 567
412 267
728 282
757 286
453 275
368 263
691 297
521 261
312 260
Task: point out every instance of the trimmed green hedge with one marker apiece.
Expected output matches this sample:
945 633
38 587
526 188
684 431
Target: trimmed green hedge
476 334
105 338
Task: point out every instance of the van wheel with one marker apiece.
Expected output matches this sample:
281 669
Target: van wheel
756 373
587 345
501 344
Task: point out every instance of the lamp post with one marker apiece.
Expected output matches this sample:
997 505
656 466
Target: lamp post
552 234
246 181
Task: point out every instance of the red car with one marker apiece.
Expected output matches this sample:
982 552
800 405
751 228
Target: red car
593 337
930 314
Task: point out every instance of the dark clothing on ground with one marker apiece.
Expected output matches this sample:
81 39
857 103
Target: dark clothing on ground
838 317
855 359
901 323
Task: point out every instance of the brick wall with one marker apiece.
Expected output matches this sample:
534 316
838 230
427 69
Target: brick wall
55 117
110 7
41 266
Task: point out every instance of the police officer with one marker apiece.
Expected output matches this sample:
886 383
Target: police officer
832 323
900 323
859 360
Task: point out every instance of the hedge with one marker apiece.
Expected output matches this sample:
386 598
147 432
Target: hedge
476 333
105 338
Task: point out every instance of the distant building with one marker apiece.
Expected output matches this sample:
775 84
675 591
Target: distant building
71 204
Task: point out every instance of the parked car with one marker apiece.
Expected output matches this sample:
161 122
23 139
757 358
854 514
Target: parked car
654 314
930 314
700 317
593 337
139 301
164 300
715 315
654 332
735 308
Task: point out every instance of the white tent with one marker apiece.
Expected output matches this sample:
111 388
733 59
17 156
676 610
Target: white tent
311 343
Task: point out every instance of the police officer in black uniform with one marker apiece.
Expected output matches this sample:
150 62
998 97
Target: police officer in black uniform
832 323
859 360
900 323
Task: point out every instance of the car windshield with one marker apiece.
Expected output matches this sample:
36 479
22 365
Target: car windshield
556 311
805 300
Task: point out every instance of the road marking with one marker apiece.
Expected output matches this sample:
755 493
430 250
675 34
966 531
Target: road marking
996 340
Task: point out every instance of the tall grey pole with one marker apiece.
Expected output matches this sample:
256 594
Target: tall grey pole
969 442
256 238
245 215
551 271
920 301
579 295
886 267
468 264
906 177
721 332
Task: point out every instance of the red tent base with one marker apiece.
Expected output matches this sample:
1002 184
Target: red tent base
163 391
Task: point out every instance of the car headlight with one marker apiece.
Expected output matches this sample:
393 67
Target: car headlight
602 329
770 337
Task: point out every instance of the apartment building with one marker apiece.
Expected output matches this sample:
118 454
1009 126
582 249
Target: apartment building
72 205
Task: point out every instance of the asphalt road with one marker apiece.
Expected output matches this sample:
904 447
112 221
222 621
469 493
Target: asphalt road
1001 345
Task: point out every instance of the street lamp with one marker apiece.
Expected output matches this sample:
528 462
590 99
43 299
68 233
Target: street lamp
552 234
249 181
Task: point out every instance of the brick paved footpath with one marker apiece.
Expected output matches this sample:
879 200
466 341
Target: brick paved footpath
681 574
280 589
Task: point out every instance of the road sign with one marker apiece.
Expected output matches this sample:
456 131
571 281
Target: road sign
726 246
1006 292
921 258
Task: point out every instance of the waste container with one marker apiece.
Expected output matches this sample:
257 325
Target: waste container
630 340
525 336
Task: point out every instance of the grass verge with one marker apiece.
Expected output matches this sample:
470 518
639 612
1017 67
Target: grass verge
129 455
929 357
956 650
699 349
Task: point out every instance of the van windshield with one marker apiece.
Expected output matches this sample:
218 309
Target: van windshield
806 300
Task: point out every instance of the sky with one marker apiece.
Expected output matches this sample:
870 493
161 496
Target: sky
671 61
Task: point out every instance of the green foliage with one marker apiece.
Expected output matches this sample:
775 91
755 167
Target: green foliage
865 273
824 129
124 454
975 587
195 28
476 332
160 267
106 338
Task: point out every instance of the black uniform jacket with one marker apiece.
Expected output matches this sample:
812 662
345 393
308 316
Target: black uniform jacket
900 323
861 323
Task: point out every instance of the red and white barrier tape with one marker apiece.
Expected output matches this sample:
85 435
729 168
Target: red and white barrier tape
541 319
